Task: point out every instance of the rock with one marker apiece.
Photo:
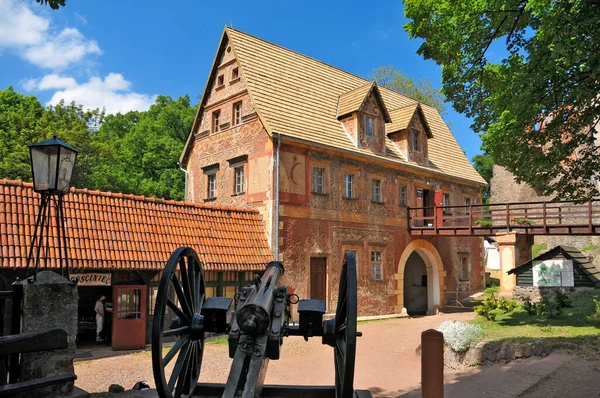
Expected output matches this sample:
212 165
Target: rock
527 349
506 352
115 388
475 355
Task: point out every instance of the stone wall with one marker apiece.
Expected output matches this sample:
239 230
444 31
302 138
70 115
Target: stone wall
536 293
490 353
49 303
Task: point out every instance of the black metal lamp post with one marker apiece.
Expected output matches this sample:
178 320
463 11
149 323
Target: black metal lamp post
52 163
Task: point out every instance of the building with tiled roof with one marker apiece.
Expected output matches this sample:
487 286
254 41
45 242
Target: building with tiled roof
117 239
332 162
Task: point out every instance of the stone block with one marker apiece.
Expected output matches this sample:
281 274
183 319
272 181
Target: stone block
49 303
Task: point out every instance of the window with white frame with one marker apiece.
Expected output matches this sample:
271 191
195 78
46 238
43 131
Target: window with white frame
402 195
369 126
464 271
348 185
415 141
216 119
376 191
376 265
237 113
467 205
318 180
239 179
211 186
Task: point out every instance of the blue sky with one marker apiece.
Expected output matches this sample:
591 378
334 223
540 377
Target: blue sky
120 54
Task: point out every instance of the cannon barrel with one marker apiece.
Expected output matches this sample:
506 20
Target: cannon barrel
254 317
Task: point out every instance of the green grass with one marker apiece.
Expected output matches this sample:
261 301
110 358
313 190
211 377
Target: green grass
589 248
219 340
373 320
537 248
572 326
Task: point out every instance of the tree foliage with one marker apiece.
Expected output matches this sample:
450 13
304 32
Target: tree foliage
535 98
421 90
484 164
54 4
136 152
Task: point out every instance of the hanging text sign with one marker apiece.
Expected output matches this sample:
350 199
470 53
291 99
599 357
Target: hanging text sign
91 279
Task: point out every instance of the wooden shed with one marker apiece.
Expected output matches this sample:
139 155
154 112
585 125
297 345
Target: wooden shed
562 266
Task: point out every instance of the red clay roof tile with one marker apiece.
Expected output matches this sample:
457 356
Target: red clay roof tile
118 231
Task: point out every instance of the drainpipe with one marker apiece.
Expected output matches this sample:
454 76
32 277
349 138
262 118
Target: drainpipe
186 181
277 200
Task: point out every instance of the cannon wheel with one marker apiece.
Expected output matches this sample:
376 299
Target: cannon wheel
188 288
345 320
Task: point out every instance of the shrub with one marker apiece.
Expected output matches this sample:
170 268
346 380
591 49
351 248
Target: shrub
484 223
490 308
507 306
595 317
459 336
562 300
524 221
530 306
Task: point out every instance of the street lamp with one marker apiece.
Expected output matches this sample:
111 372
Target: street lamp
52 163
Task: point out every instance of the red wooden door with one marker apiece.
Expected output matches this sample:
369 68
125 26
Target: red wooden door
318 278
129 317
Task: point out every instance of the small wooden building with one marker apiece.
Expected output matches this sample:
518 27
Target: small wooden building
562 266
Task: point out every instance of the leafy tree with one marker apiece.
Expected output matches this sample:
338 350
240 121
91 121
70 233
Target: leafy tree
421 90
138 151
54 4
484 164
535 99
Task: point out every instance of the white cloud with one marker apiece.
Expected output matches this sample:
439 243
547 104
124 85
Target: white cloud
19 26
33 39
68 47
112 93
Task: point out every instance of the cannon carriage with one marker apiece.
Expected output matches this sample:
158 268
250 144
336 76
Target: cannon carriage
256 331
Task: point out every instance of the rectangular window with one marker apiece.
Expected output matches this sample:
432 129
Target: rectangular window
348 185
235 73
216 119
220 80
446 200
376 191
237 113
239 179
415 141
402 195
467 204
376 271
318 180
369 126
211 186
129 304
465 266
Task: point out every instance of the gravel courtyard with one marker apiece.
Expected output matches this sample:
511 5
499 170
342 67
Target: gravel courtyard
386 362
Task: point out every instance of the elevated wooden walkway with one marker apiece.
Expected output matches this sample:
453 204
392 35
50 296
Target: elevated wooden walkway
533 218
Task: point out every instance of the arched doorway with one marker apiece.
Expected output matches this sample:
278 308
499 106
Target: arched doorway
434 267
415 285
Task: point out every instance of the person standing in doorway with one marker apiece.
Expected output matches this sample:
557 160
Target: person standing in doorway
99 308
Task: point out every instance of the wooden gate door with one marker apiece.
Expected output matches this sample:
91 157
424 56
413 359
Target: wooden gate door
318 278
129 317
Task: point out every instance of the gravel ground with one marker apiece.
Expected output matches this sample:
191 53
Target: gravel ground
385 362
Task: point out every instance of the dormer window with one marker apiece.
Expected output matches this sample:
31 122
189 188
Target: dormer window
415 141
220 80
369 122
235 73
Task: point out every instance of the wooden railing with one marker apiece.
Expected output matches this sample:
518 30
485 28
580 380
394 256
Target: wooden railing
539 218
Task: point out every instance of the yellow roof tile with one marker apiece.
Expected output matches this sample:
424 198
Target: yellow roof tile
401 117
297 97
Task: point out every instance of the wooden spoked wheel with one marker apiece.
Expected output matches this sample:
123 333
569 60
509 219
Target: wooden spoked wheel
344 349
178 319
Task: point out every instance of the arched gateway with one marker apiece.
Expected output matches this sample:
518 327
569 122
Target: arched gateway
427 254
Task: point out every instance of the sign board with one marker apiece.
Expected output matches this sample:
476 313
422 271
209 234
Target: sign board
92 279
553 273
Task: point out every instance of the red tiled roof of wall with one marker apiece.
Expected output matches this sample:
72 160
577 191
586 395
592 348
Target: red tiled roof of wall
119 231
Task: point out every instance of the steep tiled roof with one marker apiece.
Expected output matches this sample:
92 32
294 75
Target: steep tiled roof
297 96
118 231
352 101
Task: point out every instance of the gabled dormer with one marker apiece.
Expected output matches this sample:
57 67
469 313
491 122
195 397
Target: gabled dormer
409 131
363 115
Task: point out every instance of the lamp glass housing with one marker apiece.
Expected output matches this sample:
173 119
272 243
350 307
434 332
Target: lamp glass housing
52 163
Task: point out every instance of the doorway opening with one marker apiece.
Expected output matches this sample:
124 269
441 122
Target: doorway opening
415 285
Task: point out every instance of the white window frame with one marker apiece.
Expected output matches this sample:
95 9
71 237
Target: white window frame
415 140
402 195
318 180
376 194
376 257
237 113
216 120
348 186
211 186
239 179
369 126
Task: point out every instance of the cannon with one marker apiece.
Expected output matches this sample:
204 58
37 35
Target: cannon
256 329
